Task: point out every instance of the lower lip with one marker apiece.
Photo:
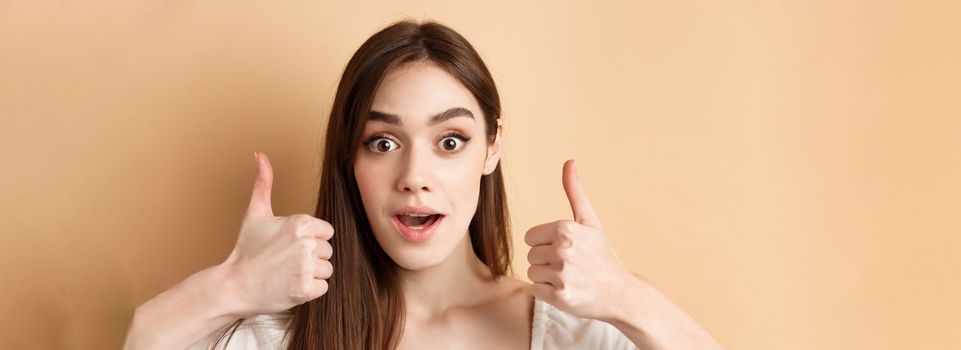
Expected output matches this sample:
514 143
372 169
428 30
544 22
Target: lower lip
416 234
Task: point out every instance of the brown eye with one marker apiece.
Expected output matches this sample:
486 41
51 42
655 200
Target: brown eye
381 145
453 143
449 144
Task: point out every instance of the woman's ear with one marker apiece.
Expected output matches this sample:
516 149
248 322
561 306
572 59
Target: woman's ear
494 150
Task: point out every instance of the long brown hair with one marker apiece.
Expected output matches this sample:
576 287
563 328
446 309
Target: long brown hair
363 308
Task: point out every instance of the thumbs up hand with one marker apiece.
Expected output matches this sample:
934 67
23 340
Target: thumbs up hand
573 265
278 262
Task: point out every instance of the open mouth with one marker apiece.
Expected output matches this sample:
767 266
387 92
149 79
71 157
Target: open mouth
418 221
417 227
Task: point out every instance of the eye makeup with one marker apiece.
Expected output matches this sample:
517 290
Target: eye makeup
456 134
370 140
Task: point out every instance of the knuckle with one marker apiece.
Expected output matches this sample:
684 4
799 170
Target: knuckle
300 224
300 294
563 254
299 290
306 272
305 249
300 220
565 228
308 288
307 244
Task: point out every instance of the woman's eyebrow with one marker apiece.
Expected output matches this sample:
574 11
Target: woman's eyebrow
434 119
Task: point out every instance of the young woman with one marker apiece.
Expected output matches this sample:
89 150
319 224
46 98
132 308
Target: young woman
410 245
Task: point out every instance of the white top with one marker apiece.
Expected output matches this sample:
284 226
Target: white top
555 329
552 329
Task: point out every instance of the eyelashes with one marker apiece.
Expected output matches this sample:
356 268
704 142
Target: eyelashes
376 142
454 134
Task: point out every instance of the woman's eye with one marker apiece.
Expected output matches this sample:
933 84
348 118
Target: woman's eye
453 142
381 144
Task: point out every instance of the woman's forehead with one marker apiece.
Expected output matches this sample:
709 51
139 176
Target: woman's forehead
420 92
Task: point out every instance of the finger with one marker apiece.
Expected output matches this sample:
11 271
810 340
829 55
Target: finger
260 197
580 204
324 251
543 291
324 230
542 255
309 226
320 288
323 270
540 234
544 274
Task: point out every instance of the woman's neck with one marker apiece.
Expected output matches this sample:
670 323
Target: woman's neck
460 281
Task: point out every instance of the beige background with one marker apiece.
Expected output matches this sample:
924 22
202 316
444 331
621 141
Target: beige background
787 171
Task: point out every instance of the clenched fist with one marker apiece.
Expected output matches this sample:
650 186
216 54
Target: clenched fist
278 262
573 265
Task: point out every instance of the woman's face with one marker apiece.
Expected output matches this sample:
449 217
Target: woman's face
420 164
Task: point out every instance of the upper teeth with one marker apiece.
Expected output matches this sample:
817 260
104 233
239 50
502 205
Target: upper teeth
417 214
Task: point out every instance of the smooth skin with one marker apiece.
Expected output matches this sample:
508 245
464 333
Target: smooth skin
452 301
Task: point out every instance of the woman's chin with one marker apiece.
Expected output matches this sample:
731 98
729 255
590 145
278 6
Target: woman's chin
419 257
415 262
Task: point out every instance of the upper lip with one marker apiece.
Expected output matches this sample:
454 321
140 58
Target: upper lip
415 210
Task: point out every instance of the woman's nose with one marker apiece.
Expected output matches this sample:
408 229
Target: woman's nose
416 171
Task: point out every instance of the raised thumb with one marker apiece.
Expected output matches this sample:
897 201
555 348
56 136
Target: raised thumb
260 197
580 204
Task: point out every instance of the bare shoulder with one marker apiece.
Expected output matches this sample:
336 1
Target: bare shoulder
517 296
518 289
510 314
509 298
